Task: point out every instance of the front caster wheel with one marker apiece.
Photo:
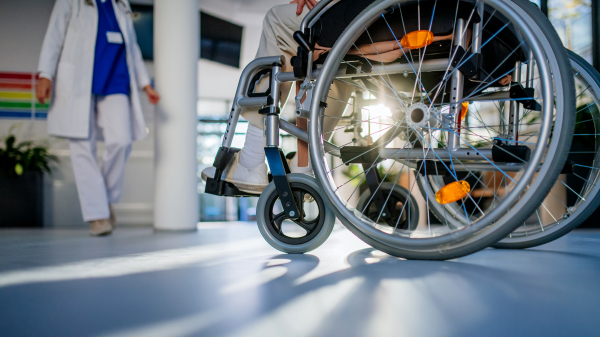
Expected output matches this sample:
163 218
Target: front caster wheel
405 213
300 235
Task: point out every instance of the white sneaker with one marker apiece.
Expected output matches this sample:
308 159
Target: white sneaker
293 164
252 180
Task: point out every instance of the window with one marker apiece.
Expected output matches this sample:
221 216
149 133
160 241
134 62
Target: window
573 22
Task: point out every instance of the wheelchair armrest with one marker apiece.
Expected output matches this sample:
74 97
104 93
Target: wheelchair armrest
300 63
303 41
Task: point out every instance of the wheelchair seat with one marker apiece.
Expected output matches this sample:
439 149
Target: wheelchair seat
500 51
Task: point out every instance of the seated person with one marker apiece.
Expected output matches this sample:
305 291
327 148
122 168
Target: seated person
247 170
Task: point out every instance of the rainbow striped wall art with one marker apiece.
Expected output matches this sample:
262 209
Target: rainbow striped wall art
17 97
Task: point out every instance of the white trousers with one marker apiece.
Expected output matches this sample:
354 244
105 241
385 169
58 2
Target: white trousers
98 186
279 25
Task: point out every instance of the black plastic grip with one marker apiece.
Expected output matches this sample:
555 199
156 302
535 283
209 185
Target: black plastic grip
255 79
302 40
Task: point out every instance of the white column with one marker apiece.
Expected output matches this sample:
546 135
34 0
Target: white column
176 54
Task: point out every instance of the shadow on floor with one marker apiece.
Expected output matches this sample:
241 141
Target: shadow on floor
240 288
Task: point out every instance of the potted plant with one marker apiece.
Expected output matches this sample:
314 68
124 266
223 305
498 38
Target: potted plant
22 167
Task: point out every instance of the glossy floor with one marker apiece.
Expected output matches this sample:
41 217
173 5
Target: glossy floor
224 280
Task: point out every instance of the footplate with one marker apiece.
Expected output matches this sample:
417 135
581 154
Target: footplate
216 185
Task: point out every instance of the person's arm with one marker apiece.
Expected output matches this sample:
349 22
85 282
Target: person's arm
301 3
141 73
52 47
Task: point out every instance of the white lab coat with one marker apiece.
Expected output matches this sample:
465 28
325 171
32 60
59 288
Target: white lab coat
68 58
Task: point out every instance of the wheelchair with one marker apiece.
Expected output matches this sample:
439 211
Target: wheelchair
455 110
576 194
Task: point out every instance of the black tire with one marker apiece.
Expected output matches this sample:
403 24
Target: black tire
323 224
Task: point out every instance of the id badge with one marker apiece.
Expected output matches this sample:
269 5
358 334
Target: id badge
114 37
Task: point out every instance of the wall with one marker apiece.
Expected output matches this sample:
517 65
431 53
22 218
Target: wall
23 25
220 81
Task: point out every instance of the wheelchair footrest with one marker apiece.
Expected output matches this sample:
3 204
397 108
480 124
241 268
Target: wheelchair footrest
225 189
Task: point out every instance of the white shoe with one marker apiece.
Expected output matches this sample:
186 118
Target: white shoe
293 164
100 227
252 180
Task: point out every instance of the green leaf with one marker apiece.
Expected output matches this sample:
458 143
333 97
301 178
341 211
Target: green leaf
10 142
18 157
24 144
19 169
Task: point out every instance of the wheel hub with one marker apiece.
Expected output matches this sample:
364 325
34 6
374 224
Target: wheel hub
421 116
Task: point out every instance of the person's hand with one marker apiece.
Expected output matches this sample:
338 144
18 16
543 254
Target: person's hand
153 96
43 89
301 3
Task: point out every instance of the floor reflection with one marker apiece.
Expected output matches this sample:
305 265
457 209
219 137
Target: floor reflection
242 287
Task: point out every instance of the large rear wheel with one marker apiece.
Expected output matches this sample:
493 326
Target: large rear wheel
408 68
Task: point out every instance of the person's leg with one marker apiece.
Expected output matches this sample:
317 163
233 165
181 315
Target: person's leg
337 103
278 27
277 39
89 180
114 121
253 152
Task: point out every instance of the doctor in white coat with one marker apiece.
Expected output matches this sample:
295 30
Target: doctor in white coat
92 67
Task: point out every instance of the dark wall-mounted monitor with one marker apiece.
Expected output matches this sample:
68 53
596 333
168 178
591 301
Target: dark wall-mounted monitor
220 40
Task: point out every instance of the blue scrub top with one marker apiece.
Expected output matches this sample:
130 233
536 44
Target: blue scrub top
110 64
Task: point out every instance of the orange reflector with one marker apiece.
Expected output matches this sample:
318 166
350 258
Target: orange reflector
417 39
463 110
453 192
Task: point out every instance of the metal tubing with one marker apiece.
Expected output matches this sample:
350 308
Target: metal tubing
478 30
456 88
396 68
399 68
289 77
443 154
514 109
472 167
251 68
272 130
489 167
492 96
530 71
275 89
313 13
303 135
302 113
251 101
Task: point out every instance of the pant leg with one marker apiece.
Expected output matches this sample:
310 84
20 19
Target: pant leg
88 176
114 121
279 25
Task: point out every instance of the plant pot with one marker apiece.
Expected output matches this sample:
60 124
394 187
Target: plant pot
21 200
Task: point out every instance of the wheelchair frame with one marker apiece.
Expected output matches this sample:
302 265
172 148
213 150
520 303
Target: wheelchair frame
269 105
